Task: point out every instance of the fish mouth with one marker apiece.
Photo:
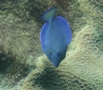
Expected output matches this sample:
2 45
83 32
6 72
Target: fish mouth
56 65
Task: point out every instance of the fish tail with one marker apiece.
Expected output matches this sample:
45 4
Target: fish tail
49 14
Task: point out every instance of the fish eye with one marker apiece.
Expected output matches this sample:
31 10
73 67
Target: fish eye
58 54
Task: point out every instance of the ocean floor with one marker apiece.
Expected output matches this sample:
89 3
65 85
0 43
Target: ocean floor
24 66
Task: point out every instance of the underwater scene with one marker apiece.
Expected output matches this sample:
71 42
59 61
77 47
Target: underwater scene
51 44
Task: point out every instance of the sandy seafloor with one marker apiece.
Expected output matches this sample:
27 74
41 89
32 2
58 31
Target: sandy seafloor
24 66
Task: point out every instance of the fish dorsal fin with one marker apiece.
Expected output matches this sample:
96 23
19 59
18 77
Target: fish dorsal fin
49 14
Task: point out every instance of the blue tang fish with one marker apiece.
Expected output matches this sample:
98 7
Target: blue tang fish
55 36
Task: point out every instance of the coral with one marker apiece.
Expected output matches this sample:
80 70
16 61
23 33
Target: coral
26 66
93 14
81 70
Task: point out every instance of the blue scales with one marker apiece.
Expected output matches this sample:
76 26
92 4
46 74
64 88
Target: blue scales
55 36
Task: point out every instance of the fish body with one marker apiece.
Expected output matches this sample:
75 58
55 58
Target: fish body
55 36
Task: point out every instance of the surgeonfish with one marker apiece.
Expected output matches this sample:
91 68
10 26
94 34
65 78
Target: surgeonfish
55 36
